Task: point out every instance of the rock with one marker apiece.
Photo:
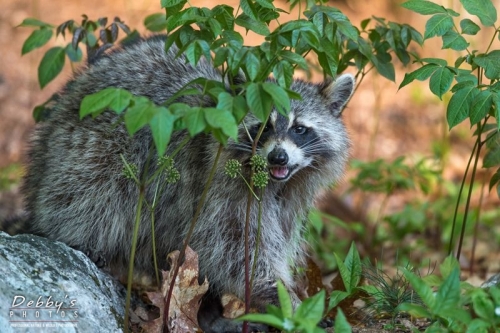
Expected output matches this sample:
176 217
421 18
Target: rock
46 286
493 281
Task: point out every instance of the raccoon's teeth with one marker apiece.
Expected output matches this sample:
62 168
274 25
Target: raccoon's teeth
279 172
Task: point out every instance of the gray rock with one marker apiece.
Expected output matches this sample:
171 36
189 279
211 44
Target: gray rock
46 286
493 281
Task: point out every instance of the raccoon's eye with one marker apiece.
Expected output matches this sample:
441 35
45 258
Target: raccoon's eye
267 128
300 130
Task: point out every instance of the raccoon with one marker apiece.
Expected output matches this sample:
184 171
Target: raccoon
75 191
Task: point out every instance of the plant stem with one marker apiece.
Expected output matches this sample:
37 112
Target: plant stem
469 195
130 276
476 227
256 253
203 198
452 234
247 229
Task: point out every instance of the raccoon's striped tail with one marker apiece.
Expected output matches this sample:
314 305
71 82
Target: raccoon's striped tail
15 225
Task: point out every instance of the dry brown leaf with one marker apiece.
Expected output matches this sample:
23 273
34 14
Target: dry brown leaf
186 296
233 306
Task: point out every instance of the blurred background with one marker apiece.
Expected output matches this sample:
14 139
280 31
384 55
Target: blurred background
402 211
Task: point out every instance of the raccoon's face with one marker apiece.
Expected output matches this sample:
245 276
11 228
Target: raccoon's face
311 136
288 145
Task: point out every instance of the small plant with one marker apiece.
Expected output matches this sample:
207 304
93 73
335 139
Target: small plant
304 319
387 293
311 311
456 306
474 81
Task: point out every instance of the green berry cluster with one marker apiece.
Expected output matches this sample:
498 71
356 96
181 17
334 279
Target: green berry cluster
130 172
173 175
167 163
232 168
260 176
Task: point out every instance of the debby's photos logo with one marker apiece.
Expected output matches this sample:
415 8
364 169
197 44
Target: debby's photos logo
43 311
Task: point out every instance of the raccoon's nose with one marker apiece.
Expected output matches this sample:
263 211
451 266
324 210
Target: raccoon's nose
277 157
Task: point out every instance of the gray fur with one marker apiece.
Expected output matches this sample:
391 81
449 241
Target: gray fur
76 193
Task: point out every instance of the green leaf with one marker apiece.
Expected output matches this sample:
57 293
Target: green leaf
248 23
484 9
139 114
468 27
173 6
353 264
37 39
222 119
116 99
459 106
421 74
453 40
478 326
496 102
483 306
283 73
162 125
424 7
336 297
252 65
492 158
285 301
311 308
440 81
448 295
436 61
193 53
279 96
32 22
385 68
234 104
195 121
263 318
259 102
481 106
448 265
249 9
438 25
341 324
156 22
415 310
73 55
350 269
294 58
494 179
421 288
51 65
347 29
491 64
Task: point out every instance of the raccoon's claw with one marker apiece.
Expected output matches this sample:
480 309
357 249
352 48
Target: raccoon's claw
95 256
225 325
326 322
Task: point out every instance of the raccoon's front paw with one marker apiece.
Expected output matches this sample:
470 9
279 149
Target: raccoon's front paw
226 325
266 292
97 257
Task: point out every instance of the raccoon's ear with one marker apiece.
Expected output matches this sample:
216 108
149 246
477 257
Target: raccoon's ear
338 91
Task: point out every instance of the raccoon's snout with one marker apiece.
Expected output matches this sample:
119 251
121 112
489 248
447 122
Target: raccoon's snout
278 160
278 156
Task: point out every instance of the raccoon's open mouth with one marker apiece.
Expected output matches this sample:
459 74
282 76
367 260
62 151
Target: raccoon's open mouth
280 173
